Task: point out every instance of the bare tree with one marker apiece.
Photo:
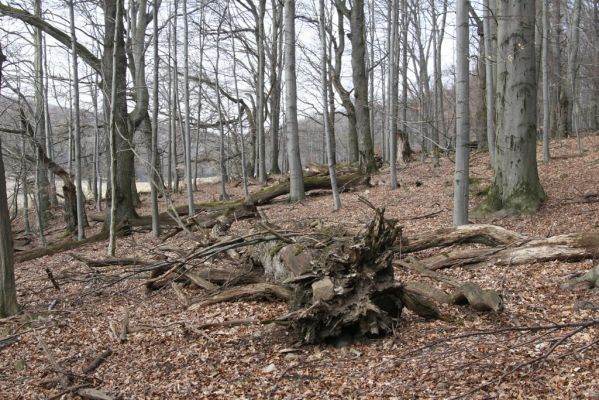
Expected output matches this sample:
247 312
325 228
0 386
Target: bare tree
393 89
488 21
77 126
462 159
8 293
187 132
516 187
296 178
325 114
154 177
357 23
545 72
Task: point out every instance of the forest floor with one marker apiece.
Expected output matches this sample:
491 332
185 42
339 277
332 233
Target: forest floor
163 358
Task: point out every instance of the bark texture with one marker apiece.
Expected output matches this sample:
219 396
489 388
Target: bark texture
516 188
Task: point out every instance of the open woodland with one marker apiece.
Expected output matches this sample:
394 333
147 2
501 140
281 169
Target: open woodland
334 199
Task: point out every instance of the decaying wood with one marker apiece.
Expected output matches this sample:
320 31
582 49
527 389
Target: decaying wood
108 261
94 394
589 280
569 247
349 289
58 248
463 293
251 292
489 235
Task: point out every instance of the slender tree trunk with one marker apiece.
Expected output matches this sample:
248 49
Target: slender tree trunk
573 64
8 292
77 128
154 177
393 90
558 124
488 19
296 178
325 114
546 96
275 86
40 119
221 147
117 25
460 190
187 135
260 107
405 149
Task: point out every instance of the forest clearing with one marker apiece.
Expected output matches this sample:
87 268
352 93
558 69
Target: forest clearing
533 348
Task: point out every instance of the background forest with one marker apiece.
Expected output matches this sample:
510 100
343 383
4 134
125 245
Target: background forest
437 239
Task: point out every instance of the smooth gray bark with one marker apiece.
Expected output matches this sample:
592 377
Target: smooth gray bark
77 127
462 158
325 113
572 66
187 133
488 20
546 96
113 130
393 90
296 178
154 177
8 293
43 184
516 188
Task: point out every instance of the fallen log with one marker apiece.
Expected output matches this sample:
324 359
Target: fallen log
489 235
463 293
58 248
570 247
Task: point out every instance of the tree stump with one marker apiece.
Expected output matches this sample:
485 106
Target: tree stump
343 287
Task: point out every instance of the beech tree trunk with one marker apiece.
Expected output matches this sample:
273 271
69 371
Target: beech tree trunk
462 162
8 293
296 192
516 188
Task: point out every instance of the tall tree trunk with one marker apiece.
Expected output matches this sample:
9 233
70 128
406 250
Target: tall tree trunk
573 64
393 90
77 128
558 125
8 292
296 178
275 86
154 177
114 66
546 96
404 140
43 199
360 80
488 20
352 130
260 106
516 188
330 139
460 189
187 133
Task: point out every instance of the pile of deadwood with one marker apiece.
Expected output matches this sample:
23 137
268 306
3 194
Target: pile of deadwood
341 285
338 284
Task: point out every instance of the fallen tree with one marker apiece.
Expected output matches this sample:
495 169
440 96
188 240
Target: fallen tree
569 247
